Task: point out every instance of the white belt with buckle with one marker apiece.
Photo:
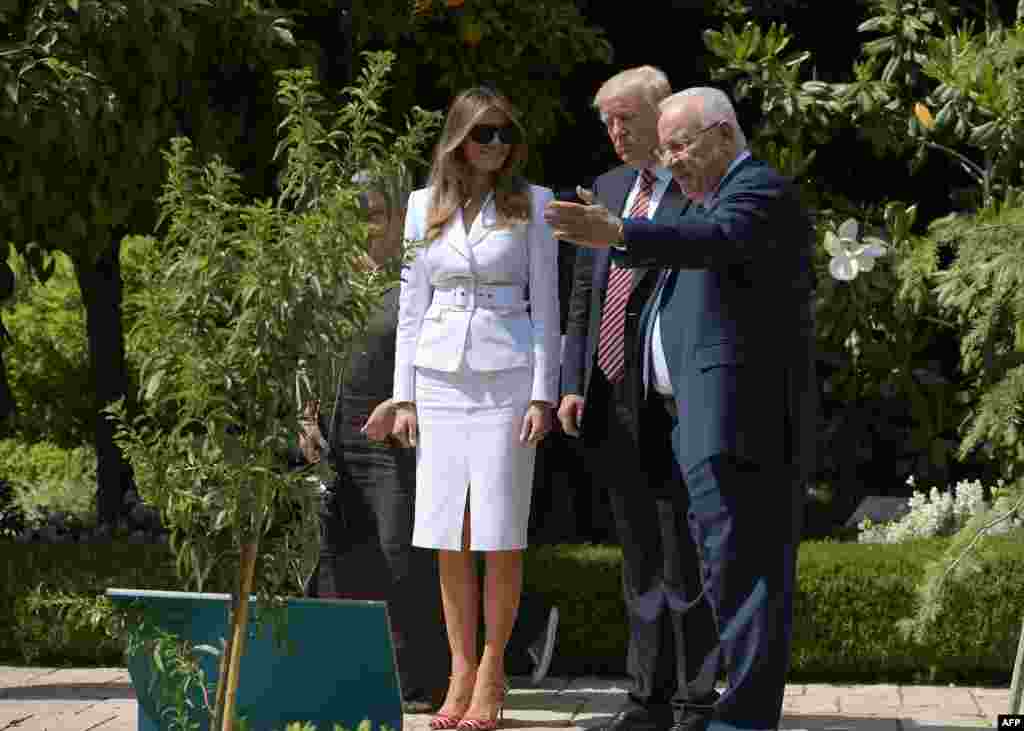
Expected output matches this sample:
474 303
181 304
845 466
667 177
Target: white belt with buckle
469 296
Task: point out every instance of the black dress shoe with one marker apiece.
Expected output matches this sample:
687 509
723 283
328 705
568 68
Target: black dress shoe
696 719
422 701
691 722
417 705
638 718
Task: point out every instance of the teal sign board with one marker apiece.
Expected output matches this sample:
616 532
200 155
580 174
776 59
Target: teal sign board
338 666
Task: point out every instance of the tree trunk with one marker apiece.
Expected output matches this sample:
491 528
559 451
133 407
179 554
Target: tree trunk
239 630
1017 682
101 288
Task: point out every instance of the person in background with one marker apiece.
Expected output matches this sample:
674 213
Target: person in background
368 551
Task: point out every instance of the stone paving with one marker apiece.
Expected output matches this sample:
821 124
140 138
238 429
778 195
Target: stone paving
101 699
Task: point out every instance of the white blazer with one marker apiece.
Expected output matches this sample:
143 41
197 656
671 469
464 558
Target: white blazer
442 336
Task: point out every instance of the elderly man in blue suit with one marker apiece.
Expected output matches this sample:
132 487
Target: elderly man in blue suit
728 350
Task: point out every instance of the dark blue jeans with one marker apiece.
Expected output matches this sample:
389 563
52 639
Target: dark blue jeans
368 554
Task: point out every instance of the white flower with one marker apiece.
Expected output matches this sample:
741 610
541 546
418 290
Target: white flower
970 500
849 255
939 514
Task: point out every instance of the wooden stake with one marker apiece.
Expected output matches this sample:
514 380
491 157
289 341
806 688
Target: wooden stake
1017 684
222 672
240 627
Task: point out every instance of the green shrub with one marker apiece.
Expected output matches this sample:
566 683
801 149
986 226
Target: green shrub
77 569
47 359
86 569
47 478
850 597
585 583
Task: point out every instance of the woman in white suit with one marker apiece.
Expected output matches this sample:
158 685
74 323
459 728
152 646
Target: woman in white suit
476 375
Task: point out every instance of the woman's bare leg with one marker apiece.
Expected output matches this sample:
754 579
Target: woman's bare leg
503 583
460 597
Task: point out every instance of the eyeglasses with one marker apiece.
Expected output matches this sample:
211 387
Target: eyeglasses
677 147
490 134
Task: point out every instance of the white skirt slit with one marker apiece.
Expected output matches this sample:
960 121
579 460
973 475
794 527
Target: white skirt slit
469 427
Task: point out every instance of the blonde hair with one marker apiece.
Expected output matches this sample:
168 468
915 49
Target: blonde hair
450 170
650 81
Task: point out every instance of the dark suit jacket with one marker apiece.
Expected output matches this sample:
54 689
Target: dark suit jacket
737 320
590 285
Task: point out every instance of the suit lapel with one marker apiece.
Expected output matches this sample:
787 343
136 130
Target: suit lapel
719 194
613 197
673 203
617 199
617 202
648 312
671 206
455 234
484 222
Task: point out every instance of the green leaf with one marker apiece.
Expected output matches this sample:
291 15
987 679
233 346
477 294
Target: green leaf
984 134
944 115
797 59
716 43
878 46
875 24
73 4
755 41
284 35
154 384
11 87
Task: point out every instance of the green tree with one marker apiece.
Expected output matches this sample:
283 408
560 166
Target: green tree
91 92
526 49
247 302
48 358
979 80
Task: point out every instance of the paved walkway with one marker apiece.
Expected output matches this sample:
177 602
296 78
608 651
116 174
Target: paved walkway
46 699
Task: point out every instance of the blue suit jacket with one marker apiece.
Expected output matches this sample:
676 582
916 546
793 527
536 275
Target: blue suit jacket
737 320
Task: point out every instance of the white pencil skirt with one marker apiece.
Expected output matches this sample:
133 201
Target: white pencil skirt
469 448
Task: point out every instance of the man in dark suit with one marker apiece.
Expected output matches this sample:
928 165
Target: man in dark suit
727 349
660 569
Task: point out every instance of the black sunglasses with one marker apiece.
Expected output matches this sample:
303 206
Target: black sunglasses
488 134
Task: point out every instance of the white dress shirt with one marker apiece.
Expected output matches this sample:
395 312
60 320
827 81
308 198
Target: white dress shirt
663 178
661 381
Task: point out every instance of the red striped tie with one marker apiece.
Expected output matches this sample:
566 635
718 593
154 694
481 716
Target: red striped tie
611 351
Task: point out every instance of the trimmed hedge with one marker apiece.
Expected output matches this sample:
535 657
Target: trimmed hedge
73 568
849 598
848 601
